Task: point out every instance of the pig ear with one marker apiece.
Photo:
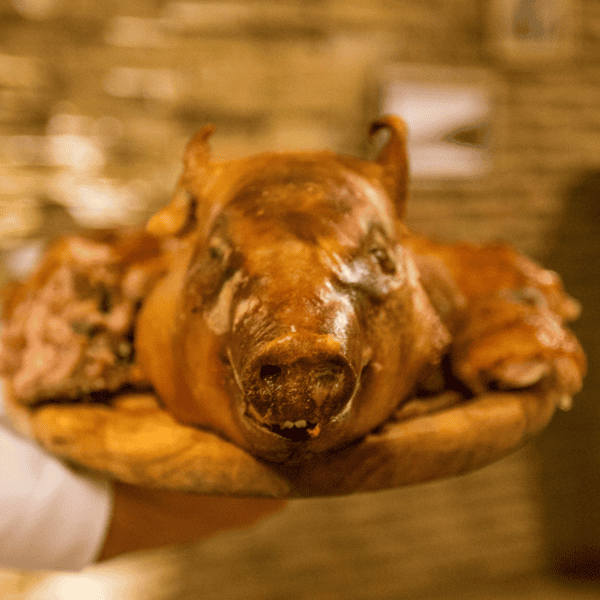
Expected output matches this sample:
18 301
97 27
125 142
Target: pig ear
394 160
179 214
197 152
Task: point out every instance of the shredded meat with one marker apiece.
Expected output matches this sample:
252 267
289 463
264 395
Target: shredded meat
70 332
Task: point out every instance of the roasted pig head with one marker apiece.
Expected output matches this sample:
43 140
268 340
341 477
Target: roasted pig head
293 319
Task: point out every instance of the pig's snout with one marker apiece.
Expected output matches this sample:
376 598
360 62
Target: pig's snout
295 385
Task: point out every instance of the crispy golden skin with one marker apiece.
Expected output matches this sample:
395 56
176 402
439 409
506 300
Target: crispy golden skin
279 331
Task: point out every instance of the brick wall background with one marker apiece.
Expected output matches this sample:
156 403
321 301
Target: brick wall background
97 99
134 80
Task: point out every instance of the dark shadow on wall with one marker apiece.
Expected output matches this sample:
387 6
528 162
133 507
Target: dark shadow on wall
569 449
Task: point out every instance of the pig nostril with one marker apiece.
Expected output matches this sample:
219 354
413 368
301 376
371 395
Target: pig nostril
294 388
269 373
328 375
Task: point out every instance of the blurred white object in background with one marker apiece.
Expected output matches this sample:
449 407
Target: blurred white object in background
448 113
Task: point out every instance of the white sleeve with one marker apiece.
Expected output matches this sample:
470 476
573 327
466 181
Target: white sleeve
50 516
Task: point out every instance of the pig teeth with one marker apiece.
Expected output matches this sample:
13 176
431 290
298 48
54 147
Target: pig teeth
301 424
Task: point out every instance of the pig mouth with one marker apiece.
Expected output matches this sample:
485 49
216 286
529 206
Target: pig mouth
300 430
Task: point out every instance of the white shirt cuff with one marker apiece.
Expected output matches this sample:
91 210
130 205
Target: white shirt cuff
50 516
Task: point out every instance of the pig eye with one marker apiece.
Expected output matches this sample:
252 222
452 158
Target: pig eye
386 264
218 250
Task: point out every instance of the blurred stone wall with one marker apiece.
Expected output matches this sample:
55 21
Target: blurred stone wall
98 97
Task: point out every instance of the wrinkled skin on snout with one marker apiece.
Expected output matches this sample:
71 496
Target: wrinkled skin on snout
293 320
